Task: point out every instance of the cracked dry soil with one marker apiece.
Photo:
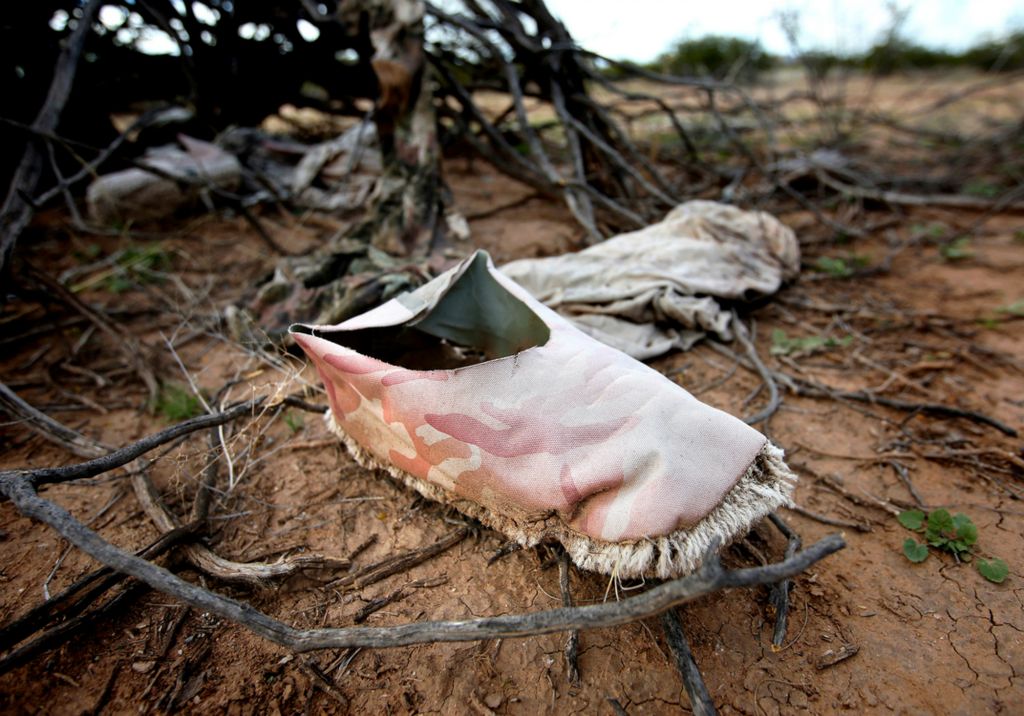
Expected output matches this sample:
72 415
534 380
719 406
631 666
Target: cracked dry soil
930 638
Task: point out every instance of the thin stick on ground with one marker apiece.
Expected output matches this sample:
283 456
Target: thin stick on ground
510 547
375 605
65 630
77 597
572 644
700 699
323 681
904 476
256 574
616 707
373 573
778 598
41 423
807 387
138 356
812 389
774 399
122 456
826 520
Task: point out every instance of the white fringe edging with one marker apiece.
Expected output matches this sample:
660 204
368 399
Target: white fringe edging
765 486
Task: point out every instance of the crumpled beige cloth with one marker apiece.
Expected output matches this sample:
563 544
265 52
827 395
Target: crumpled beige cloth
656 289
136 194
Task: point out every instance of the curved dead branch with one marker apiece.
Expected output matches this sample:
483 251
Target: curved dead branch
256 574
123 456
709 579
39 422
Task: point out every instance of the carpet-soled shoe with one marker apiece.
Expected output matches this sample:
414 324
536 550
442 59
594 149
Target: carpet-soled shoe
555 436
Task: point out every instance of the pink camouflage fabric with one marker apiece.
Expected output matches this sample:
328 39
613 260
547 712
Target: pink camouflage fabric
564 439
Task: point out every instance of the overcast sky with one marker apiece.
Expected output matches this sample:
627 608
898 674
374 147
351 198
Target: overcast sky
639 30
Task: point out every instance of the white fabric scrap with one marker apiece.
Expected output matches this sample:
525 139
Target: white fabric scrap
650 291
136 194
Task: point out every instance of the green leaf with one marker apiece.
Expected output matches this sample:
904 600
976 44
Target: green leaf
994 571
915 552
294 421
939 525
833 266
966 531
982 188
958 547
841 267
783 345
911 519
780 342
957 249
1016 308
176 403
118 284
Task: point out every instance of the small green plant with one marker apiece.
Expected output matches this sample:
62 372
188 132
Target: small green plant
841 267
982 189
955 534
957 250
994 571
294 421
176 403
933 231
89 252
994 320
1014 309
136 265
783 345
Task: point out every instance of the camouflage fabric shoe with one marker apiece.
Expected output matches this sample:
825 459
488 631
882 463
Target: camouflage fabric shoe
549 435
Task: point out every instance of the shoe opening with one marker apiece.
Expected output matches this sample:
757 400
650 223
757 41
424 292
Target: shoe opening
476 320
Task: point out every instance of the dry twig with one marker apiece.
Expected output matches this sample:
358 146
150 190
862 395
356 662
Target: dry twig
693 681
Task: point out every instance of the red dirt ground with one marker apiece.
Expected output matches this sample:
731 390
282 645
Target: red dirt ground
933 638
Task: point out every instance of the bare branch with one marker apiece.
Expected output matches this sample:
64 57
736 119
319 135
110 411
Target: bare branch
709 579
41 423
700 699
122 456
16 211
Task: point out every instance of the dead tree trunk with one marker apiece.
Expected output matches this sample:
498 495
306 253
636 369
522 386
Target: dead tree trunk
407 210
516 47
17 210
407 217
